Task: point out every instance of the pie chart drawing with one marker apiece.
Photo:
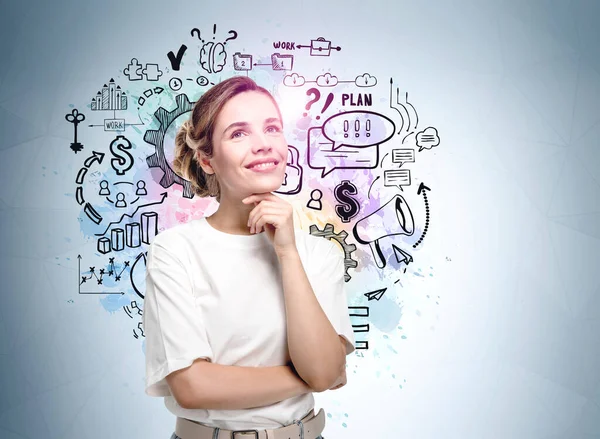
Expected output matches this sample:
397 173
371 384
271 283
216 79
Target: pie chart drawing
138 274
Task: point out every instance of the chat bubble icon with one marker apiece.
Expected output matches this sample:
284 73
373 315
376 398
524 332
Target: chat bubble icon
321 154
428 138
403 155
358 129
396 177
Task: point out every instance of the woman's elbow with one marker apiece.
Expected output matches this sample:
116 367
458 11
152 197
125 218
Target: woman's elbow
184 385
329 380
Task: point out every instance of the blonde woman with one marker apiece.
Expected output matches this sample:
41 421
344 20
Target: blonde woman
245 316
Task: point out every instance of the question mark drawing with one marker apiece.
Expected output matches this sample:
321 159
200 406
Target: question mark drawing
198 32
317 95
233 37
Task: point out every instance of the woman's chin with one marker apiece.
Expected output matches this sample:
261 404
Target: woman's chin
266 186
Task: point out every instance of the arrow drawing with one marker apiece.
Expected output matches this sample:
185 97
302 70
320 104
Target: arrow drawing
164 195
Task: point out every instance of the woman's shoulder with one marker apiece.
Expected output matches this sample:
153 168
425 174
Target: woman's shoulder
176 237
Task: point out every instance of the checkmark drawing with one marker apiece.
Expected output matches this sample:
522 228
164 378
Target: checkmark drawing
176 59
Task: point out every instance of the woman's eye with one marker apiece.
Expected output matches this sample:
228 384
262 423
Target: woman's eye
237 134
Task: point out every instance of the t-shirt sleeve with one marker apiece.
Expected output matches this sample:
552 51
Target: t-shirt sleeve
328 284
172 321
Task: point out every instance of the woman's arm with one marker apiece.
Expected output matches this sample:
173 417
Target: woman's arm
317 351
206 385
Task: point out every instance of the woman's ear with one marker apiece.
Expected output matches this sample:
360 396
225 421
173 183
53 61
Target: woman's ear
204 163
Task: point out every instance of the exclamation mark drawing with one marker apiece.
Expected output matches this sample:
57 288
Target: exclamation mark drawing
346 126
368 127
328 102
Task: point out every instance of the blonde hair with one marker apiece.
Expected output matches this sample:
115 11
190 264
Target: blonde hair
194 137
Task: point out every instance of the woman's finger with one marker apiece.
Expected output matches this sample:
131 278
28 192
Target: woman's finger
267 219
258 206
261 210
260 197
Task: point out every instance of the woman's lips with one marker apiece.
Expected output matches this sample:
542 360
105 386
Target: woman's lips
264 168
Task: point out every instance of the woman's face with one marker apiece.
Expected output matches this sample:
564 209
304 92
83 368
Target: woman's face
248 130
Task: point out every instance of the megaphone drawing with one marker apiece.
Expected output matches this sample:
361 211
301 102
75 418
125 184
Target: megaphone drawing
394 214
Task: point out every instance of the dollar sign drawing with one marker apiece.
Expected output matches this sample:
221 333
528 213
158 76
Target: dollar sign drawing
350 206
123 161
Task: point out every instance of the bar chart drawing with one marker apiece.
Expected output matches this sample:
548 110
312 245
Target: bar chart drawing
111 97
132 236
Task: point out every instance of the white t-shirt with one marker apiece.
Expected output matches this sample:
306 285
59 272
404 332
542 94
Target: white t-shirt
219 296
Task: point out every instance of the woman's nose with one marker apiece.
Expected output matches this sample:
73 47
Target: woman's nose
261 142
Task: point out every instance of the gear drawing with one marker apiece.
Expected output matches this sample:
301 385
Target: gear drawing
328 233
157 138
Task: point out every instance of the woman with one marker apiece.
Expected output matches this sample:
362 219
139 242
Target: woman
245 316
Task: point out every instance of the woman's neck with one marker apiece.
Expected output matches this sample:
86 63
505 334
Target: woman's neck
231 217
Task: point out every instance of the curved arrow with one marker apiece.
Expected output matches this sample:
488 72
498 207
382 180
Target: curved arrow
164 195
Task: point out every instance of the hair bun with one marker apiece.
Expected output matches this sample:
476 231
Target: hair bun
186 127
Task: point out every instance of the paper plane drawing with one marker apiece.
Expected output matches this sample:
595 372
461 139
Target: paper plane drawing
377 294
401 255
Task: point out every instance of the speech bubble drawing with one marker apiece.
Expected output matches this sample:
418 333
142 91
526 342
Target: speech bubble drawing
428 138
321 154
396 177
403 155
358 129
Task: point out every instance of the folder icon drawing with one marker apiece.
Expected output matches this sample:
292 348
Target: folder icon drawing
282 62
242 61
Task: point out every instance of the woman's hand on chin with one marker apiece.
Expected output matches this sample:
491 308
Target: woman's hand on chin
276 216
